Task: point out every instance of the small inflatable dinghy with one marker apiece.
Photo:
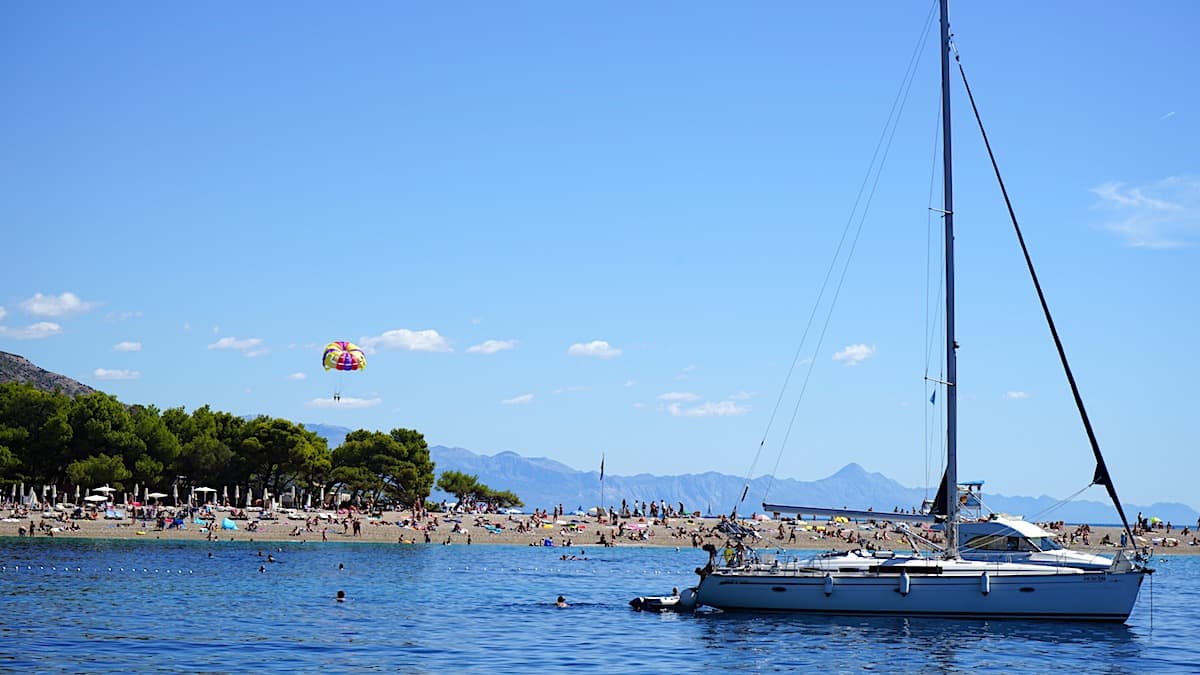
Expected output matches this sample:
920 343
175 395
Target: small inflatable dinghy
675 602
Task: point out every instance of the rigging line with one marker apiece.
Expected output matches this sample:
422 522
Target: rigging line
1101 474
1052 507
892 120
925 437
854 243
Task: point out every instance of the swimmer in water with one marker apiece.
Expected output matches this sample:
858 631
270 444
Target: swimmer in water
561 602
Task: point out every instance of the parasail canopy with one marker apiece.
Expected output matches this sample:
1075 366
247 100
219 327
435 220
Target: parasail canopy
342 355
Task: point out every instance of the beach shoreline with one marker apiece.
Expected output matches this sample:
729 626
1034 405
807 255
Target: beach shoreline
566 532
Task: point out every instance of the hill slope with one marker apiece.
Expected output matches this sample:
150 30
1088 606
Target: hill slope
15 368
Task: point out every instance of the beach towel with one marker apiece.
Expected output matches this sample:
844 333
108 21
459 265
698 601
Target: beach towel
228 524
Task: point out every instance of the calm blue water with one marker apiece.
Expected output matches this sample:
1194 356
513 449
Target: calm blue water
141 606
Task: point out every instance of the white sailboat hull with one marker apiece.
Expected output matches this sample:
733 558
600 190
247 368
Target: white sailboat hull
1007 591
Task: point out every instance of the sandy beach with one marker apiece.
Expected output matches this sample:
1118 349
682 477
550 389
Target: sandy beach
522 530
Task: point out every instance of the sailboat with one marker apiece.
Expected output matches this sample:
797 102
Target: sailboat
942 583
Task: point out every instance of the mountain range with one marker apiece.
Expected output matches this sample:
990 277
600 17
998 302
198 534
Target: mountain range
544 483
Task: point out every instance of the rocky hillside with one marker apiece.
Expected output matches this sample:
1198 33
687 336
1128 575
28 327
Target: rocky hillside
14 368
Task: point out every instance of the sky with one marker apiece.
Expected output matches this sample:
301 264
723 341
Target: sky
586 230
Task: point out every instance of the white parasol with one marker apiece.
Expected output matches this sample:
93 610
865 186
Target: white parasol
104 489
95 498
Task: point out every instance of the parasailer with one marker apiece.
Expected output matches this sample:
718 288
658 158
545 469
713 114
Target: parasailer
341 355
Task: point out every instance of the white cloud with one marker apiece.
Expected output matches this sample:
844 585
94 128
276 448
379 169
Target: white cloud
743 396
853 355
1168 116
492 346
122 316
249 347
343 402
572 388
187 327
297 376
683 374
3 312
640 406
406 340
37 331
518 400
61 305
597 348
1162 214
630 383
718 409
106 374
678 396
127 346
1015 395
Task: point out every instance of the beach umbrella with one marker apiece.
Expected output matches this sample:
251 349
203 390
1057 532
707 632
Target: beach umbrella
104 489
308 500
225 493
155 495
76 493
54 494
249 496
237 493
95 498
21 494
293 496
322 496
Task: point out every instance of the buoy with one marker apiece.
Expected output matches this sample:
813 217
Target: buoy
985 583
828 584
905 583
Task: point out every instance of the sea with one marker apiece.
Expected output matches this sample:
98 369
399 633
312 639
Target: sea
156 606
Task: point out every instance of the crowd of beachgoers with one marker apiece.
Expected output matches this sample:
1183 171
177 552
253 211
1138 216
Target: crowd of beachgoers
632 523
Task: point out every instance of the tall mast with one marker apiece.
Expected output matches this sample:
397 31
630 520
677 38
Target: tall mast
951 362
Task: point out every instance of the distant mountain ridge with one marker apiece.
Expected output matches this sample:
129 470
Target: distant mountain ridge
544 483
16 368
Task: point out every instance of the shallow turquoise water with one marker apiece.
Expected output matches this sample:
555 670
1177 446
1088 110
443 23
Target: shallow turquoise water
101 606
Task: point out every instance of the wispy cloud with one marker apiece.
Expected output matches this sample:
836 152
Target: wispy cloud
297 376
597 348
106 374
717 409
3 312
679 396
343 402
1168 116
572 388
127 346
853 355
403 339
55 305
122 316
685 372
1016 395
743 396
1162 214
492 346
37 331
630 383
249 347
518 400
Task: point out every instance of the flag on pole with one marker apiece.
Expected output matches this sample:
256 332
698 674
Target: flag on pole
933 397
601 467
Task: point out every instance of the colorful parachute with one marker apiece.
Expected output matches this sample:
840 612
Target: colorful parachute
344 356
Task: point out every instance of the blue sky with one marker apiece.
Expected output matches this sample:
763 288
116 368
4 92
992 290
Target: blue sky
575 229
